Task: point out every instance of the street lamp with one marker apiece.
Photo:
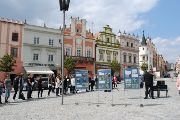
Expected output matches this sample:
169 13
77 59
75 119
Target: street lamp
64 6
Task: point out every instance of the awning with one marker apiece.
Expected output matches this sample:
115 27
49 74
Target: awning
38 70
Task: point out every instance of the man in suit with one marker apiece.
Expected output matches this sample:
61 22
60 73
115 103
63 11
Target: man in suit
148 79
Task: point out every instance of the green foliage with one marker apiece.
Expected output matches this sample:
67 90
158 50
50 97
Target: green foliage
6 63
144 67
69 64
115 66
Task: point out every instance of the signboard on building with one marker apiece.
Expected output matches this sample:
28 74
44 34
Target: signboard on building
104 79
131 78
81 79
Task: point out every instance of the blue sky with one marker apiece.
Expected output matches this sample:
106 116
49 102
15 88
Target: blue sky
159 18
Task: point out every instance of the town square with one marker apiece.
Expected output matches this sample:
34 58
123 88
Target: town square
83 60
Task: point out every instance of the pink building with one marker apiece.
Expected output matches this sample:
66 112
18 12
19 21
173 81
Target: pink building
80 44
11 42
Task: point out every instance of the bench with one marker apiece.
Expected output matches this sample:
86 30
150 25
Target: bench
160 86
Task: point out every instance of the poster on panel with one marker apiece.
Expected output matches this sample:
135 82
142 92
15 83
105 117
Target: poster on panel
131 78
81 79
104 79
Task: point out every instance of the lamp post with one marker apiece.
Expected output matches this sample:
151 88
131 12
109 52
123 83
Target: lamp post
64 6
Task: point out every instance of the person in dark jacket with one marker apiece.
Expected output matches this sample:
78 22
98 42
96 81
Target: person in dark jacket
29 86
40 90
21 85
148 79
16 86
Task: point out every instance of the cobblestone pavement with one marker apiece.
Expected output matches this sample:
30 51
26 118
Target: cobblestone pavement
96 105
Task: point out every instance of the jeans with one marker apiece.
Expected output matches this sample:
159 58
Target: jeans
15 92
29 92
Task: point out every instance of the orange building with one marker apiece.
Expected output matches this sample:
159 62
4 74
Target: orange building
80 44
11 42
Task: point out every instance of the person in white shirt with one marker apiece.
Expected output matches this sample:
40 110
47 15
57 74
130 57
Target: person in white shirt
73 84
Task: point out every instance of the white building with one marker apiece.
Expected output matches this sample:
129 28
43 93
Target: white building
146 53
129 50
42 47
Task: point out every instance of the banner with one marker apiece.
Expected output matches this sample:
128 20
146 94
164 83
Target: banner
81 79
104 79
131 78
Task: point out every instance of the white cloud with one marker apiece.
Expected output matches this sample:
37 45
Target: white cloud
169 48
119 14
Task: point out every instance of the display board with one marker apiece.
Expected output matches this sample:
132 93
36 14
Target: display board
131 78
104 79
81 79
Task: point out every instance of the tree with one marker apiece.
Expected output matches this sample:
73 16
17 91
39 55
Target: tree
6 63
144 67
69 64
115 66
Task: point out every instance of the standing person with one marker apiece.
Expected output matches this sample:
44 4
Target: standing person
178 83
114 81
65 84
53 82
57 86
89 78
8 86
92 84
29 86
49 84
148 79
73 84
96 81
16 86
40 89
1 91
21 86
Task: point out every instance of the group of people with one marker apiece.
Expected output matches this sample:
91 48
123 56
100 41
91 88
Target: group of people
54 85
17 83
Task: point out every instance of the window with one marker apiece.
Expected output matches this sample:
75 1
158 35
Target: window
35 57
107 40
131 44
115 56
36 40
124 58
143 48
109 57
143 57
68 52
101 56
88 53
50 58
51 41
134 59
127 44
77 30
15 37
78 52
14 52
129 59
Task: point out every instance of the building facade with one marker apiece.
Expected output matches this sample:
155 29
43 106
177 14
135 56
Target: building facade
129 50
79 43
107 48
42 47
146 53
11 42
